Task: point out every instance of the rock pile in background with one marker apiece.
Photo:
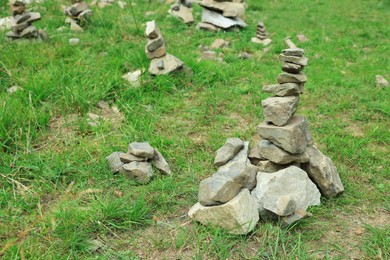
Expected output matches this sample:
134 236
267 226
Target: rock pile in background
21 23
281 176
77 14
161 61
222 14
138 161
183 10
261 35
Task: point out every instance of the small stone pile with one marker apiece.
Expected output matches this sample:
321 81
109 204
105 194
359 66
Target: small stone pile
137 162
261 35
281 176
161 61
21 23
221 14
183 10
77 14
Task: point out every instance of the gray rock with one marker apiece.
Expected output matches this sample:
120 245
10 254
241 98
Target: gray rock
183 12
141 149
219 44
294 59
282 90
241 157
217 190
77 8
76 28
85 14
160 163
254 155
28 17
381 82
295 217
228 9
207 27
14 89
238 216
291 78
277 155
170 64
294 52
269 167
279 110
152 31
114 162
30 31
139 171
128 158
219 20
154 44
285 191
74 41
231 147
293 137
243 173
291 68
323 173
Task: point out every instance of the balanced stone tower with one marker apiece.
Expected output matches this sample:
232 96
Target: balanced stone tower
77 14
161 61
21 23
261 35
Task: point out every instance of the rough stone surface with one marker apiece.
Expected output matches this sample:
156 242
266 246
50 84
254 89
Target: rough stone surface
114 162
184 13
238 216
128 158
285 191
170 64
241 157
133 78
160 163
219 20
231 147
293 52
293 137
291 78
270 167
277 155
294 59
282 90
157 53
154 44
207 27
141 149
324 174
381 82
219 44
151 31
278 110
254 155
291 68
217 190
228 9
295 217
140 171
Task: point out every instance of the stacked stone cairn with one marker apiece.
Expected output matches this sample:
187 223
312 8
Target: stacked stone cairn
161 61
137 162
77 14
183 10
221 14
261 35
278 178
21 23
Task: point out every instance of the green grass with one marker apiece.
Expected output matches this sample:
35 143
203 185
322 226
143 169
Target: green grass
57 193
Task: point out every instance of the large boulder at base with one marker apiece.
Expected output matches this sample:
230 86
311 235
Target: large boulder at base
323 173
231 147
285 191
278 110
293 137
238 216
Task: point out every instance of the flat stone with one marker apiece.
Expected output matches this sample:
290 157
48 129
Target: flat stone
240 157
293 137
152 31
128 158
381 82
74 41
141 149
291 78
140 171
160 163
323 173
231 147
266 41
170 62
228 9
283 90
279 110
76 28
219 20
77 8
277 155
217 190
219 44
158 53
17 9
302 38
184 13
84 14
285 191
114 162
154 44
207 27
29 31
295 217
293 52
270 167
291 67
294 59
254 155
238 216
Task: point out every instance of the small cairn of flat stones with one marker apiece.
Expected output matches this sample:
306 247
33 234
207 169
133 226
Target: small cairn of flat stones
21 23
161 61
77 14
137 162
222 14
261 35
183 10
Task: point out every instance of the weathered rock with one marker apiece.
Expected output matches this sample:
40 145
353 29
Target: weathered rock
152 31
265 41
243 173
128 158
285 191
294 59
141 149
302 38
254 155
158 53
241 157
278 110
381 82
291 78
231 147
293 137
140 171
30 31
154 44
238 216
160 163
219 20
207 27
270 167
75 27
295 217
17 9
183 12
286 89
323 173
293 52
228 9
219 44
115 162
133 78
14 89
217 190
169 64
292 68
277 155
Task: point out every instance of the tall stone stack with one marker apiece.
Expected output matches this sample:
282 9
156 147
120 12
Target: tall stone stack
261 35
77 14
21 23
222 14
161 61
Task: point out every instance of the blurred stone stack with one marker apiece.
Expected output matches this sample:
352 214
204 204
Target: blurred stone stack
222 14
77 14
137 162
161 61
183 10
21 23
261 35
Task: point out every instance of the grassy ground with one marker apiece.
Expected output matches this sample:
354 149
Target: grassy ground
58 197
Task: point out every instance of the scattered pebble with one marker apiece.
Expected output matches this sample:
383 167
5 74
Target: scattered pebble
381 81
74 41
